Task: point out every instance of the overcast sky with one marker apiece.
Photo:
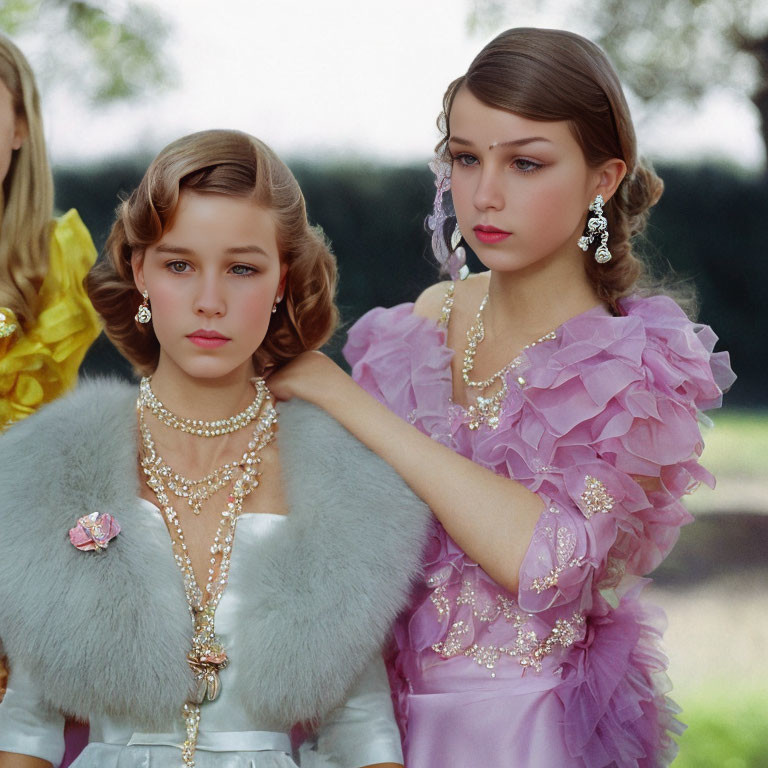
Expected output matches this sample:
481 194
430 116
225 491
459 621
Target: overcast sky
327 79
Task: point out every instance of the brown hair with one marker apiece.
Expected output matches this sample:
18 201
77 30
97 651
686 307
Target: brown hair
26 195
225 163
552 75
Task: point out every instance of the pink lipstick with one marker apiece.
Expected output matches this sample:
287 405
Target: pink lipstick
207 339
487 234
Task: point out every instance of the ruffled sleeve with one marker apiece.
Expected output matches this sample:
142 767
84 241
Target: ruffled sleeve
611 417
39 363
401 359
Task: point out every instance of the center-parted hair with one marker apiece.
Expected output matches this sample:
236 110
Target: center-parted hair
553 75
226 163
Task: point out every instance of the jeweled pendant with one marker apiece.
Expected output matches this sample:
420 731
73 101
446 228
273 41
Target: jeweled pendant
144 315
207 687
206 664
455 237
201 688
602 255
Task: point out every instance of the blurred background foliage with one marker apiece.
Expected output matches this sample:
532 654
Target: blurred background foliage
109 51
731 735
666 51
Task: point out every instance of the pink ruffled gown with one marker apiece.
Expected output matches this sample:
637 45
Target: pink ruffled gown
568 672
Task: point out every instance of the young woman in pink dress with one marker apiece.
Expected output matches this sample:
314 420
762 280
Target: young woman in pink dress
547 412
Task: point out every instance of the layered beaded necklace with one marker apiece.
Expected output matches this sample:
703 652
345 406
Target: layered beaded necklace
486 410
207 656
197 492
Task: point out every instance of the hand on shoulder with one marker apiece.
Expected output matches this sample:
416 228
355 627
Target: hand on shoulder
306 376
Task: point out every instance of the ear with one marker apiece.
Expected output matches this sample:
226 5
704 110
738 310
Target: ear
610 174
20 132
283 278
137 265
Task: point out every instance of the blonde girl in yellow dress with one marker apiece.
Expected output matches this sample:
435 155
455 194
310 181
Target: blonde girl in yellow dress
46 320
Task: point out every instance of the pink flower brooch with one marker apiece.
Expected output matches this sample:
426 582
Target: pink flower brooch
94 532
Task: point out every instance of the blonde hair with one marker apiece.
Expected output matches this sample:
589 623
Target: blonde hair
26 200
225 163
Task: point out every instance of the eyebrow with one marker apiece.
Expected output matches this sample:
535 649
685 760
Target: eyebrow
235 251
513 143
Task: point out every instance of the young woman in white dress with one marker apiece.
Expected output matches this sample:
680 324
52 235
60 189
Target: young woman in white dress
192 621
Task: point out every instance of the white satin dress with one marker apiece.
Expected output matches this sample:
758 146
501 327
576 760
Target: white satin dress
359 733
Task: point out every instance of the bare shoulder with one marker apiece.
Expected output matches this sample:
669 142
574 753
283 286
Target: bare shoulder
430 303
467 297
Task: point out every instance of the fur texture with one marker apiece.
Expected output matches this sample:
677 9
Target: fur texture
109 631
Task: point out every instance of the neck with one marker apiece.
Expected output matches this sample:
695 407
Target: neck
204 399
537 300
200 398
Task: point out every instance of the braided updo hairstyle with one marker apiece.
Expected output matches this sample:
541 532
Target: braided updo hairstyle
553 75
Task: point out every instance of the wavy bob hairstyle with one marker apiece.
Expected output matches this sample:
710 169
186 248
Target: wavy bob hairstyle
223 163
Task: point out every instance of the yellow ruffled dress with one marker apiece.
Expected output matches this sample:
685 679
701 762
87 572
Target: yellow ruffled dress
39 364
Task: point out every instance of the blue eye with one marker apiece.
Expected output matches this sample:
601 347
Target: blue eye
465 159
526 166
244 270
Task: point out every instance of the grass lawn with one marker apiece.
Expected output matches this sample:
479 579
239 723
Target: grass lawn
737 446
726 728
736 452
718 629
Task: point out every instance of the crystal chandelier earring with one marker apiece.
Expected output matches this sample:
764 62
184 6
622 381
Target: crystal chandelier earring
459 254
450 256
597 225
144 315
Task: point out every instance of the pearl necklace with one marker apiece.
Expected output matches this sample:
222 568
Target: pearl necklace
148 399
486 410
207 656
